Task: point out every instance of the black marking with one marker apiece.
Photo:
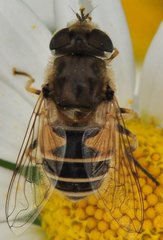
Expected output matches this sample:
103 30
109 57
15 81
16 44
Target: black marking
77 187
74 144
45 91
33 145
87 174
109 93
125 110
123 130
75 169
58 152
59 131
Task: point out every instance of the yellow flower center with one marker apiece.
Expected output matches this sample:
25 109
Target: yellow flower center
144 17
87 219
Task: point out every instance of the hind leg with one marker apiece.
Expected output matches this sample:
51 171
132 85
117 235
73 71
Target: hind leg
131 139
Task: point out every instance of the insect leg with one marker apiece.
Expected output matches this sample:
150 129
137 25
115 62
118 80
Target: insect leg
126 132
28 86
148 174
126 110
113 55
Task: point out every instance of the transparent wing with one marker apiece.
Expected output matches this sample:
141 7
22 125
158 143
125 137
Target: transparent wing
120 190
30 187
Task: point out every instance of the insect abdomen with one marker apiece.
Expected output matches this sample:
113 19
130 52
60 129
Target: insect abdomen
75 175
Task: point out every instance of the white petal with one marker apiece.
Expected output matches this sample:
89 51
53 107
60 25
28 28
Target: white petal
63 11
23 44
34 232
5 178
151 85
110 17
44 10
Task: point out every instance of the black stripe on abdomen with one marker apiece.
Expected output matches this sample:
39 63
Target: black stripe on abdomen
77 187
76 169
73 174
76 179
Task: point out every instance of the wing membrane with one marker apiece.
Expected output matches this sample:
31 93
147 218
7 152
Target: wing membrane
120 190
30 187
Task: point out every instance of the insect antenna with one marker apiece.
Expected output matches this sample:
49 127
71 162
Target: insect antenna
82 17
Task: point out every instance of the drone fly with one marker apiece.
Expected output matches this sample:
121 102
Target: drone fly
76 141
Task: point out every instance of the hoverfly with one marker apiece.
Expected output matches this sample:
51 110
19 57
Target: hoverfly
76 141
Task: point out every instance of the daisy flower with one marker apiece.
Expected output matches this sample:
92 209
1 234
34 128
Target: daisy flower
24 41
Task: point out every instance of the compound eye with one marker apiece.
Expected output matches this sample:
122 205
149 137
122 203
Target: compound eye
60 39
100 40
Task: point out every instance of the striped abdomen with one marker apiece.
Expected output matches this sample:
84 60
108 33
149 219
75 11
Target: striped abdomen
76 176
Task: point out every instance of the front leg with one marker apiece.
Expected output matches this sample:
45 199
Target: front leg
29 82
